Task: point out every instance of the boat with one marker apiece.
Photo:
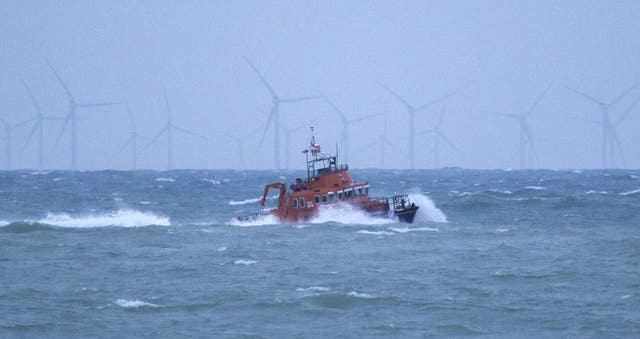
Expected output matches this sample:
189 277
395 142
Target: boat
329 184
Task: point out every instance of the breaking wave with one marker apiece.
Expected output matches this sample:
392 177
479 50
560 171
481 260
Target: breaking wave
124 303
249 201
347 214
122 218
428 211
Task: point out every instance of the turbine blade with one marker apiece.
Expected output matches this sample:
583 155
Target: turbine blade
158 135
264 81
37 125
535 103
186 131
587 96
100 104
340 113
66 89
33 99
166 102
585 120
623 94
447 141
506 115
292 100
366 117
266 127
435 101
64 127
627 112
396 95
127 143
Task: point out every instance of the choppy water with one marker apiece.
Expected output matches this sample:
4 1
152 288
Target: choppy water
493 253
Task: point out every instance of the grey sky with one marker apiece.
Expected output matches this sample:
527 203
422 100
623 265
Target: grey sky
496 55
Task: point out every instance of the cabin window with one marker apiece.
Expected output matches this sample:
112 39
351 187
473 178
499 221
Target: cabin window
302 205
366 190
324 199
361 191
349 193
355 192
340 195
316 199
332 196
294 203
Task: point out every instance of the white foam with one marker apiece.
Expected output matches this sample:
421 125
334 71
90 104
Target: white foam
374 232
212 182
407 229
261 220
359 295
123 218
246 262
56 179
134 303
634 176
144 202
502 230
39 173
313 289
166 179
631 192
4 223
347 214
536 188
221 249
596 192
428 210
495 190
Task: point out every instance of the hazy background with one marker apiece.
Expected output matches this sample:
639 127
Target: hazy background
496 55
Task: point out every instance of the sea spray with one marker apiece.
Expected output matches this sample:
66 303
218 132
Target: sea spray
428 211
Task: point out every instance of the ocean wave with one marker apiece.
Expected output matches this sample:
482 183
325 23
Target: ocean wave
418 229
122 218
313 289
535 188
246 262
124 303
166 179
633 192
374 232
24 227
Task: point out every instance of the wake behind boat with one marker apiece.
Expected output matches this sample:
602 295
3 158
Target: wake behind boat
329 184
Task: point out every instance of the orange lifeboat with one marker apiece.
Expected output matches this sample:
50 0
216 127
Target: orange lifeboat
329 184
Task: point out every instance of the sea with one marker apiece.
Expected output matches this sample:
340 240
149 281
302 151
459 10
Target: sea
492 253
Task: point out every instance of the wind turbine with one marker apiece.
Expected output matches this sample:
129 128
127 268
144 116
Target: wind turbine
345 127
8 134
436 130
134 136
72 116
168 129
609 136
38 125
274 114
526 135
412 110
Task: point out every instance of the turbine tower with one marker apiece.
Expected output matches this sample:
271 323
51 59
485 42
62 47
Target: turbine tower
38 126
72 116
168 129
411 111
526 135
274 114
8 135
345 127
609 136
134 136
436 130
